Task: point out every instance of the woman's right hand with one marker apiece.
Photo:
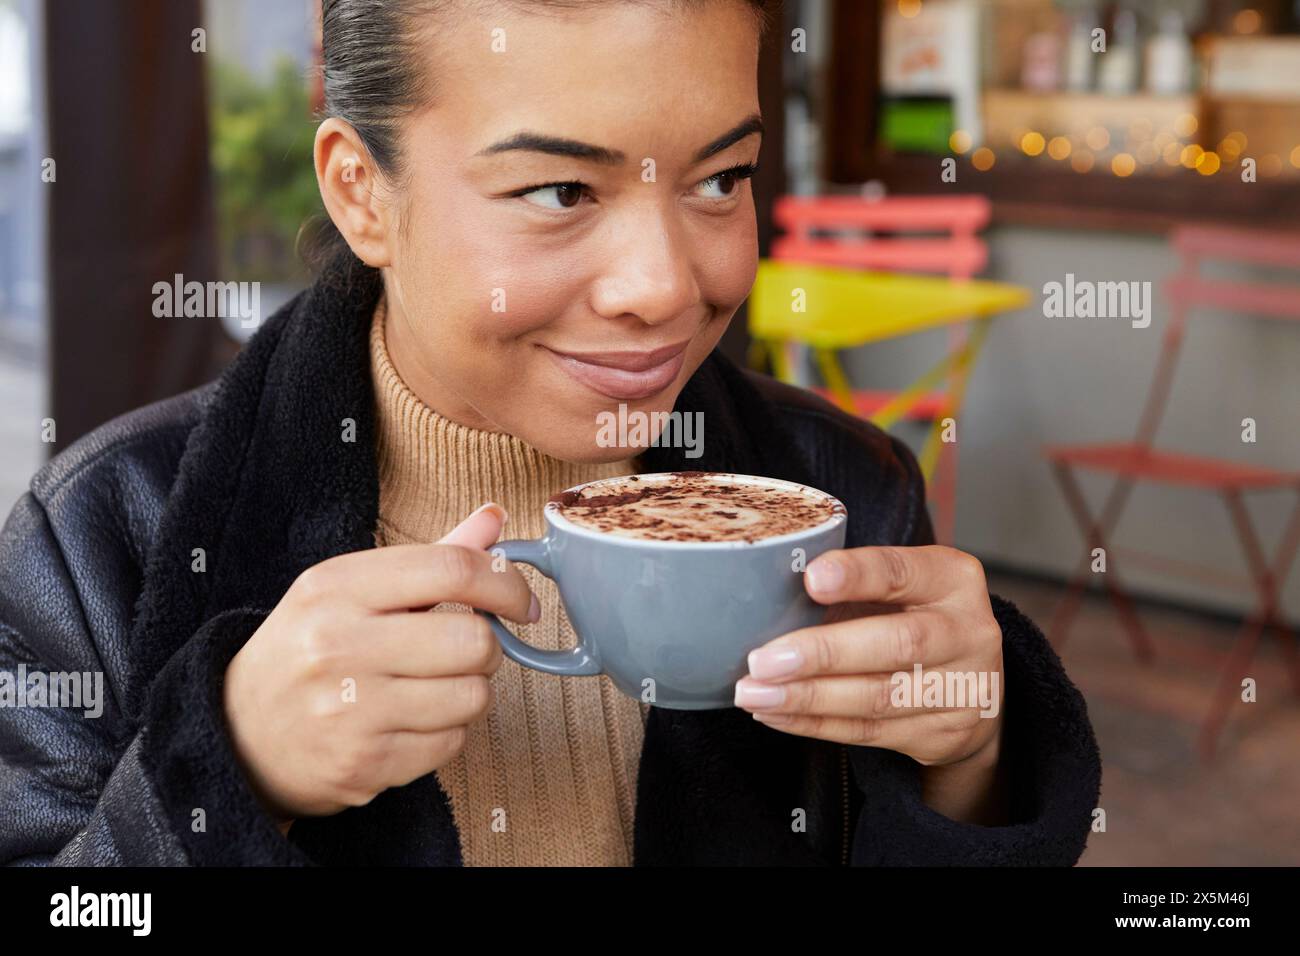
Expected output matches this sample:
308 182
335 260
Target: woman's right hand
349 687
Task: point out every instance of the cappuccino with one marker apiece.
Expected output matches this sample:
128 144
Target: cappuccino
695 506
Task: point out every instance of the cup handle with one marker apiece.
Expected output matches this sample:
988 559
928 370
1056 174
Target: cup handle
575 662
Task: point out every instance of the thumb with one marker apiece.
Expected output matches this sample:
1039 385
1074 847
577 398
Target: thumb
480 530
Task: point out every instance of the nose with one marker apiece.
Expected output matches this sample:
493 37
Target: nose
649 273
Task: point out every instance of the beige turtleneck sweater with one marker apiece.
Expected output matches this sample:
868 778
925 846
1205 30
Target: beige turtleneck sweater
548 777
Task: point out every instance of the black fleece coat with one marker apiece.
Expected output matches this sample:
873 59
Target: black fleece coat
97 573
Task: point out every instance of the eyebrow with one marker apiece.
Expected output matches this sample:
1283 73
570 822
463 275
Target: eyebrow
732 136
572 148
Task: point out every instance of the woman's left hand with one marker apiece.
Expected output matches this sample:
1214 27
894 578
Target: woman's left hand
893 608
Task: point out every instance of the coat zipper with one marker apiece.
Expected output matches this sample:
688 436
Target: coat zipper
844 793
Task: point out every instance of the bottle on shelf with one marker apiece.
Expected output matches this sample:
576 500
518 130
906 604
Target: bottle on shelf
1169 57
1119 68
1080 61
1041 66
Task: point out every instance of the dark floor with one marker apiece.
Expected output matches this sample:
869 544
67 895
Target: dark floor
1164 805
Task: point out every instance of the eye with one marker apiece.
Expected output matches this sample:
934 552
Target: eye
555 195
725 184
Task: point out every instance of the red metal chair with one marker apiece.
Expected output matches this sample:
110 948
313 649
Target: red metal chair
1137 461
925 234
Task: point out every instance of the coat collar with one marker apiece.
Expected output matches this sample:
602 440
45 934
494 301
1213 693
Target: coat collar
280 474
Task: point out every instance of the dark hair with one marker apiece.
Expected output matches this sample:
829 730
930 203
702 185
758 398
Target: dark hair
372 78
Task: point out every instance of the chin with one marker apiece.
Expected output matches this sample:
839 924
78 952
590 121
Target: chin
595 455
603 431
580 440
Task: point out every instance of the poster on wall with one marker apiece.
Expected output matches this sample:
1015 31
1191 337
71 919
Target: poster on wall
930 74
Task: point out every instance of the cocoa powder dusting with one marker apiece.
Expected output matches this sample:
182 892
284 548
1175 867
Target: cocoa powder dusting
685 507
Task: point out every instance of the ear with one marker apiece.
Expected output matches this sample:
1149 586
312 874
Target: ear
352 191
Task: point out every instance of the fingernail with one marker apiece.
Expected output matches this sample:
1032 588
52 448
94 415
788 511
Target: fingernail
534 610
825 575
491 506
768 662
750 694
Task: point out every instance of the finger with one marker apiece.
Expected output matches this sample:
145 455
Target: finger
876 696
863 696
429 645
849 610
925 737
867 645
893 575
425 705
410 755
480 529
405 576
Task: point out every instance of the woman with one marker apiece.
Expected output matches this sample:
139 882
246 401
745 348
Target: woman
543 212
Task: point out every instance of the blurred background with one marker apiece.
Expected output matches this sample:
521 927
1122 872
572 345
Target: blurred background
937 178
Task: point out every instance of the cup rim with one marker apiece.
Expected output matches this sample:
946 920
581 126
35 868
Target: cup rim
556 519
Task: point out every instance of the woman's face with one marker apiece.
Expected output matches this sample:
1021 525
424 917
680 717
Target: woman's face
577 228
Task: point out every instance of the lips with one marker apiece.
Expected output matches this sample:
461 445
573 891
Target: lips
628 375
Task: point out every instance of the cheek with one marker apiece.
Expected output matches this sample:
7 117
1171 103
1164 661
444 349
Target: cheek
524 286
480 285
728 266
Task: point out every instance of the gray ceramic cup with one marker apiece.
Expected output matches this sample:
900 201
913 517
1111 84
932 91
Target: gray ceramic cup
671 622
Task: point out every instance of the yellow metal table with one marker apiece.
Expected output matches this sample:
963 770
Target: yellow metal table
831 309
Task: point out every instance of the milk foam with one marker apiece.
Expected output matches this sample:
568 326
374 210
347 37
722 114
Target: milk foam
694 506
